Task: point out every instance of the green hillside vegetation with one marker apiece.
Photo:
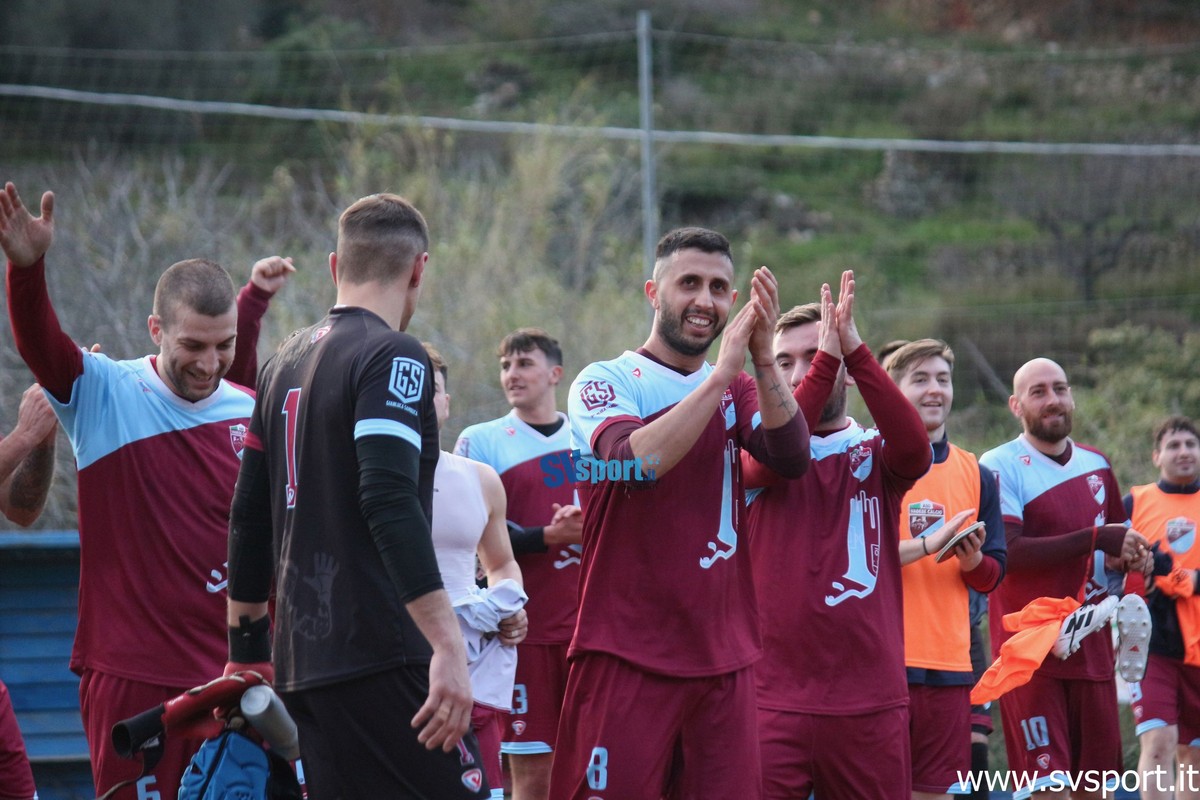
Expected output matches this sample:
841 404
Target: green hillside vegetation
1090 260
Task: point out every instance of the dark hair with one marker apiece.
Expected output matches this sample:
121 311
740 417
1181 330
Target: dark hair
1174 425
379 237
525 340
798 315
907 356
692 238
199 284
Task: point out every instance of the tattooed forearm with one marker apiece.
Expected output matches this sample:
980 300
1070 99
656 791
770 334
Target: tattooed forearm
785 398
31 481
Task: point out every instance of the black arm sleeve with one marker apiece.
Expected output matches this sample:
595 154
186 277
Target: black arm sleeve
387 494
527 540
251 555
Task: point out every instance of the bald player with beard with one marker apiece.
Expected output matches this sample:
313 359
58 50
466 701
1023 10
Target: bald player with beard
1061 504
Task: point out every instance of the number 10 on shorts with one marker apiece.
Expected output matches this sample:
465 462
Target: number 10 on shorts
1037 732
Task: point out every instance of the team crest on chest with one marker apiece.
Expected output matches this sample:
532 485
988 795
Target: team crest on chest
925 517
861 461
597 394
407 379
1181 534
1096 486
1026 460
237 439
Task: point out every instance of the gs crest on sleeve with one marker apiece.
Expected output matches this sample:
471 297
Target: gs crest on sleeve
597 394
407 380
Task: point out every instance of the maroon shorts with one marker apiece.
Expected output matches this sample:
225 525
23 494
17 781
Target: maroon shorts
940 728
628 734
1053 724
981 715
16 778
105 700
1169 694
488 724
836 757
538 693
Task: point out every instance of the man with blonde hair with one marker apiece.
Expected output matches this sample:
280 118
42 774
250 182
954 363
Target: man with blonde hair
937 600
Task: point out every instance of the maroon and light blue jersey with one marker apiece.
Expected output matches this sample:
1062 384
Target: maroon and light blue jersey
1050 499
156 478
666 576
826 561
533 469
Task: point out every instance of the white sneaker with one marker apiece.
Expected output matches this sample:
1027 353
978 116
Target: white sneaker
1133 637
1080 622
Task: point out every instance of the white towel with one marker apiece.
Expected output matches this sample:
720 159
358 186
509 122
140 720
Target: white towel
492 664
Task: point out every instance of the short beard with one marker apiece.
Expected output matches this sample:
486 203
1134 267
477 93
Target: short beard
671 331
1053 434
835 406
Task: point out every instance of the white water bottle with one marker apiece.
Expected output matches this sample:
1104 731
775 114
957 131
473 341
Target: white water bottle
265 711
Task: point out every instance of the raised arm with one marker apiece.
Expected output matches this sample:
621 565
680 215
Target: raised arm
906 453
267 277
775 403
669 437
51 355
813 391
27 459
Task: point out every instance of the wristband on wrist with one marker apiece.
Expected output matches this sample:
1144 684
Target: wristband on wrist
925 545
250 642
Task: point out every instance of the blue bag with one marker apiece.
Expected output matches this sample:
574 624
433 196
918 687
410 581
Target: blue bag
228 767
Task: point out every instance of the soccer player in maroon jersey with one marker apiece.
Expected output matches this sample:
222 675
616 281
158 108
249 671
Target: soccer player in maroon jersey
26 470
1061 505
157 442
332 506
660 695
545 534
832 692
